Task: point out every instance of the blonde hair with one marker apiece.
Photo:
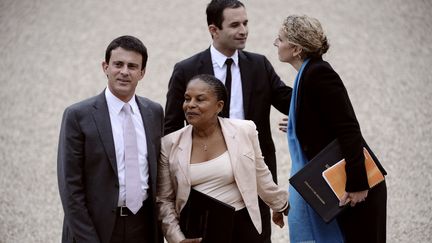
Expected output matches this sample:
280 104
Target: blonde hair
307 33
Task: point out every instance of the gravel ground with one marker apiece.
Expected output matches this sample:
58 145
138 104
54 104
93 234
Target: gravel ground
51 53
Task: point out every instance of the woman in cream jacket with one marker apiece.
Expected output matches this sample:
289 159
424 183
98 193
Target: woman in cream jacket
219 157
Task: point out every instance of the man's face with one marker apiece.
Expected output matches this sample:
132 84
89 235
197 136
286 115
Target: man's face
234 31
123 72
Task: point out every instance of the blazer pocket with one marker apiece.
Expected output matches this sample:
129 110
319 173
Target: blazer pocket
248 160
250 155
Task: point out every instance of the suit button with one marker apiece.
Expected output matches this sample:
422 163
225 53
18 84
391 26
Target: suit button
116 185
114 210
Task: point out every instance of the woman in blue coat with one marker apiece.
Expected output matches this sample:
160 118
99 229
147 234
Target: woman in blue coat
321 111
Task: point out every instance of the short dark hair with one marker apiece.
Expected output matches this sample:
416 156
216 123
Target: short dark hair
215 84
215 10
129 43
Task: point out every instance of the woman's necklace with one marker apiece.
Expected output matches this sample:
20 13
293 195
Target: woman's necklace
202 144
207 139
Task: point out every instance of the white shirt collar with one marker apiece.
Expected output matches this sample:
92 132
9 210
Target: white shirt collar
116 104
219 58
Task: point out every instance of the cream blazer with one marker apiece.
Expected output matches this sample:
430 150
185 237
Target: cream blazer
250 172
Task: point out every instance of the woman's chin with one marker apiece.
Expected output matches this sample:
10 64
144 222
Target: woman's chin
191 120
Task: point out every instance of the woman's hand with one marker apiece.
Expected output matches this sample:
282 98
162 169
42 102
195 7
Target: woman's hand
195 240
283 124
278 219
353 198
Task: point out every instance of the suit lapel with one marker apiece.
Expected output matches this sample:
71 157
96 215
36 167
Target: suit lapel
147 118
103 124
205 65
184 152
247 79
232 143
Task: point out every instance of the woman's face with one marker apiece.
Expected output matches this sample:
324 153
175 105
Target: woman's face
286 50
201 106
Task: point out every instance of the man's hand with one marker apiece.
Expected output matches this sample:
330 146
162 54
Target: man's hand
283 124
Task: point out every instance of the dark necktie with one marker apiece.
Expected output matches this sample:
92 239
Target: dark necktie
226 108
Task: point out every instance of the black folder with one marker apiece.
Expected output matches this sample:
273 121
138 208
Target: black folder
311 185
207 217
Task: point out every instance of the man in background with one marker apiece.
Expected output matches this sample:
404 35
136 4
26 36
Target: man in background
252 84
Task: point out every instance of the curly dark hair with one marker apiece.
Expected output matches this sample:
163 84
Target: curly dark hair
215 85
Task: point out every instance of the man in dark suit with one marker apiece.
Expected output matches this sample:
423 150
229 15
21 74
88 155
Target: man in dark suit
251 81
107 156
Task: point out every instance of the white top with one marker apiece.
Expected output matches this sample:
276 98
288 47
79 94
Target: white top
215 178
115 106
219 68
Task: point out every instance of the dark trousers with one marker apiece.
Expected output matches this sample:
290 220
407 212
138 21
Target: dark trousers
265 221
366 222
136 228
244 230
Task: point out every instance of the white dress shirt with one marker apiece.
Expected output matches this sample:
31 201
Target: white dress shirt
115 106
219 68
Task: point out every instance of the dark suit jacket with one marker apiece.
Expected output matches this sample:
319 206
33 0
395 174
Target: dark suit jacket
324 112
261 86
87 169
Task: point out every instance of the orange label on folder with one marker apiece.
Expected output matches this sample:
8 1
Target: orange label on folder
335 176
